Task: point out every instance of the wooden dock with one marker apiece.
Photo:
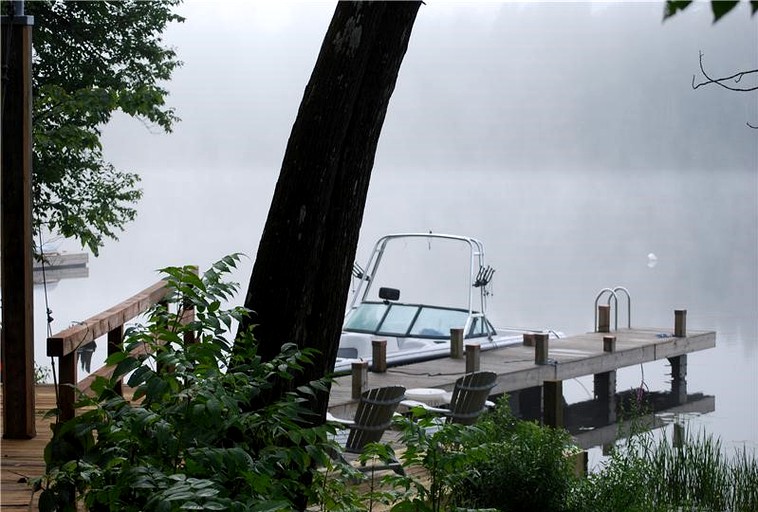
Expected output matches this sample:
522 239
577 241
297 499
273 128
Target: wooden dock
567 358
576 356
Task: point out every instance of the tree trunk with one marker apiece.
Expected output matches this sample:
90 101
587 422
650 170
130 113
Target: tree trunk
302 271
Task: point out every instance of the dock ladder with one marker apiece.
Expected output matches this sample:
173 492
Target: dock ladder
612 295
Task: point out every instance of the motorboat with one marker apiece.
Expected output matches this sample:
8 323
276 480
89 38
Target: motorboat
419 331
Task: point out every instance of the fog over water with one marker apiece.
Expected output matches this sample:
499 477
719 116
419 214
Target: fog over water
565 136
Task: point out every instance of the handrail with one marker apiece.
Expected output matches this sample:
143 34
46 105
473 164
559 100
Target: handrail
110 322
67 341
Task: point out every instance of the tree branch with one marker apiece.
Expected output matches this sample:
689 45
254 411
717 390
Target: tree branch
720 81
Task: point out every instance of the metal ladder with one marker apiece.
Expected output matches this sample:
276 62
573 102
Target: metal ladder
612 295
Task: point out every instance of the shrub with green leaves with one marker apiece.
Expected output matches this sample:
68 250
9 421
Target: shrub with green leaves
516 465
188 439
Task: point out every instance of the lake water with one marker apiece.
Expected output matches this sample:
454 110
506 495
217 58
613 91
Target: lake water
555 239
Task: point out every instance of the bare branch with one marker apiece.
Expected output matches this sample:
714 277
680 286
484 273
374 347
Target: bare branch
720 81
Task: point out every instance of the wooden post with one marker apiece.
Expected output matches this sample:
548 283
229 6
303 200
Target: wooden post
16 219
115 340
530 403
456 343
528 339
680 323
540 348
360 378
379 356
609 343
679 377
473 356
605 393
581 463
552 403
66 382
604 318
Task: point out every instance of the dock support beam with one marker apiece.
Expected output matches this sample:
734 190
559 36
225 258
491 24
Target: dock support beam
605 394
679 377
527 403
552 397
605 385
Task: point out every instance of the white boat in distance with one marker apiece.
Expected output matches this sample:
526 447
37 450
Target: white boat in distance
414 331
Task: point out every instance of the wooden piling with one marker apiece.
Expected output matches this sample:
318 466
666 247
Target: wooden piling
552 403
360 378
540 348
456 343
605 393
680 323
609 343
379 356
473 354
528 339
604 318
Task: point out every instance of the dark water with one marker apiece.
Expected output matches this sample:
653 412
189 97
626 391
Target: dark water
555 238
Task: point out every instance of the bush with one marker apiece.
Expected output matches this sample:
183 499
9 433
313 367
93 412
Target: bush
516 466
189 439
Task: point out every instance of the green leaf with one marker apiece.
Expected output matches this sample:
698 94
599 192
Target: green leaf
721 7
753 7
674 6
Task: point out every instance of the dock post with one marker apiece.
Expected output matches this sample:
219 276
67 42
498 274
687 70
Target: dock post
540 348
604 384
529 402
456 343
379 356
679 377
528 339
552 401
604 318
680 323
605 393
473 353
360 378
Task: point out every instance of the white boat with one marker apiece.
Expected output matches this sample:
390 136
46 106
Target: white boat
419 331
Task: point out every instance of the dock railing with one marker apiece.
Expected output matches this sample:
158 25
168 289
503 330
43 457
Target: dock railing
65 344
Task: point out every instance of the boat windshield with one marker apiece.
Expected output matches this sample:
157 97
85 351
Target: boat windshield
417 320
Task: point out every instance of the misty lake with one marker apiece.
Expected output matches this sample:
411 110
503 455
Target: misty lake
554 238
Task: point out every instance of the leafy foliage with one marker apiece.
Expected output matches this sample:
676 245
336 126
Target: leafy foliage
719 7
652 475
91 59
187 441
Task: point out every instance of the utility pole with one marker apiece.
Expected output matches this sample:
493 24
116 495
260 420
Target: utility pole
16 224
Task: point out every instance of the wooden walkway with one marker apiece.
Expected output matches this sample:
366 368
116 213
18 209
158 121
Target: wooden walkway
22 460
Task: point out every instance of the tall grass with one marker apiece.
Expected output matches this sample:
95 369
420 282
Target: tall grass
693 473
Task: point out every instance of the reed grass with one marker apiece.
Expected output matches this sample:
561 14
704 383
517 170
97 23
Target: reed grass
693 472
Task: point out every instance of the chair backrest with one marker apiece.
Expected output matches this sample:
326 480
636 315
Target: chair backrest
470 396
373 417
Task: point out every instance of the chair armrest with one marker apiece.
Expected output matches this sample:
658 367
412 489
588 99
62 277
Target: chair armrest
334 419
427 407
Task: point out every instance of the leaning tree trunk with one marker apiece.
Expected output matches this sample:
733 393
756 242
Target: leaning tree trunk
302 271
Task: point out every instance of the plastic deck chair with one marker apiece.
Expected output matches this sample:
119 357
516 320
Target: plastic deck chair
468 401
373 416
